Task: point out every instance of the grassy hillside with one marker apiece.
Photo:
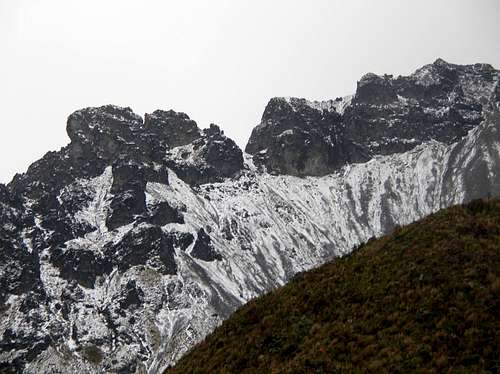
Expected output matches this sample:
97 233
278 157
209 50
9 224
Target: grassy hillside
425 298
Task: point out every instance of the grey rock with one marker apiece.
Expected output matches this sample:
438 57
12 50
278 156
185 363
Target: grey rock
125 248
203 248
174 128
387 115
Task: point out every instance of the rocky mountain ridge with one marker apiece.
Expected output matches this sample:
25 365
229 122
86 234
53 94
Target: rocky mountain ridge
387 115
129 245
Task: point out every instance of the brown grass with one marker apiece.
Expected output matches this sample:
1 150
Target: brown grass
422 299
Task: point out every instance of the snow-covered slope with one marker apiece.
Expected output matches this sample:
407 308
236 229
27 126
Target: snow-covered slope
128 261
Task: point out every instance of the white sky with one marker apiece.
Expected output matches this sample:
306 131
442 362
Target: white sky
218 61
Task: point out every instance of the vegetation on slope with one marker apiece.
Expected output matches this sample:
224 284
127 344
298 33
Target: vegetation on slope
425 298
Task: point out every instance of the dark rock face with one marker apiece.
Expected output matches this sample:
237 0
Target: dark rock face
374 89
46 177
440 101
108 130
129 200
80 265
129 197
133 296
175 129
210 158
203 248
111 135
49 222
299 137
221 153
11 213
117 134
19 277
104 252
31 344
162 213
387 115
19 271
145 245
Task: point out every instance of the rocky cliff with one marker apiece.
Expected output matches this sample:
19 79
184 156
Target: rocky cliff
126 247
387 115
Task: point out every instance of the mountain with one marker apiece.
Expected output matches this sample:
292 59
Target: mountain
129 245
422 299
387 115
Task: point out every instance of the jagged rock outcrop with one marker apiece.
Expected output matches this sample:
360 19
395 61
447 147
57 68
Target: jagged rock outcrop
174 128
300 137
18 266
126 247
440 101
203 249
387 115
83 213
209 158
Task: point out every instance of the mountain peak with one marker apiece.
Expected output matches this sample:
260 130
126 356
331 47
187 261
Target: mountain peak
169 114
83 124
122 250
440 62
369 78
388 115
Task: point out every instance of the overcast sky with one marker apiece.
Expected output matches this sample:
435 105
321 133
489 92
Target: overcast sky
218 61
